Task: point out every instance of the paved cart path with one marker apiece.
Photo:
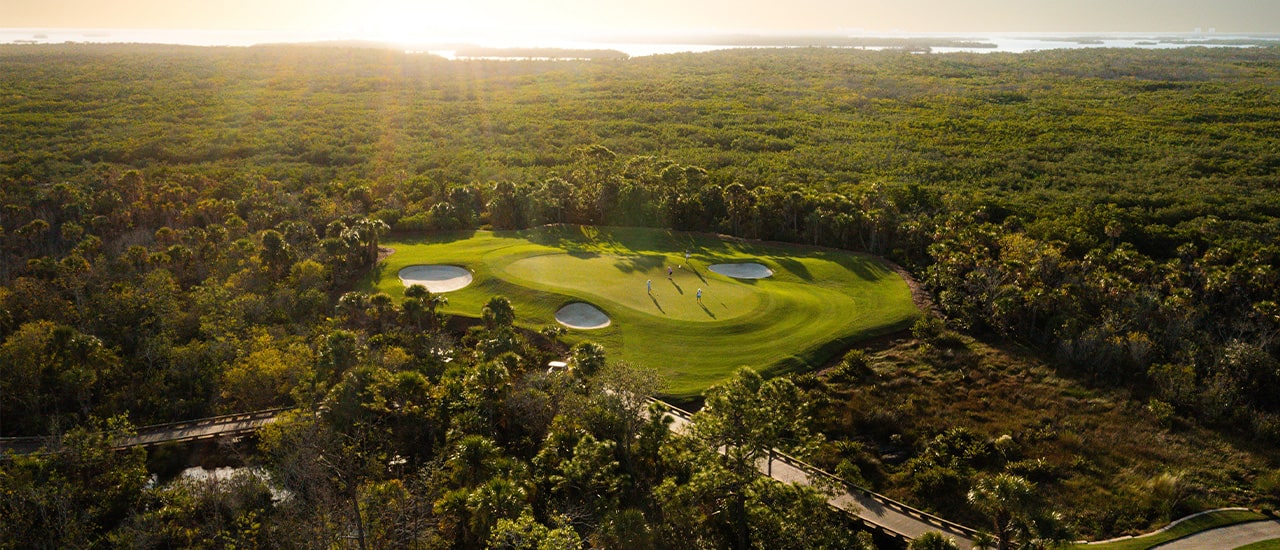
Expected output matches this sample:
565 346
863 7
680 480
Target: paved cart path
1231 536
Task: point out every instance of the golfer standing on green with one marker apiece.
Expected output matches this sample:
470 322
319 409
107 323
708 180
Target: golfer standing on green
648 285
699 295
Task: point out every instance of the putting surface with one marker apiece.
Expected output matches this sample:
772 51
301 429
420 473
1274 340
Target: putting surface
814 306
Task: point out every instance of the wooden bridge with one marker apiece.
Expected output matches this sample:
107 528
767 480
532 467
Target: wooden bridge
229 425
873 510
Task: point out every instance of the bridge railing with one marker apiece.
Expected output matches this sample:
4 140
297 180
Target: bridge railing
212 420
672 409
143 434
921 515
811 470
155 434
21 445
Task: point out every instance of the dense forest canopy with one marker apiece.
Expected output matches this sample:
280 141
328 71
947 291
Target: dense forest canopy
181 228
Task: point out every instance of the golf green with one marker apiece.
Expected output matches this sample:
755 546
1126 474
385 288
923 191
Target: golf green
816 303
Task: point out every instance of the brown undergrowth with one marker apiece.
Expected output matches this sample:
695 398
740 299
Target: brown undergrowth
918 419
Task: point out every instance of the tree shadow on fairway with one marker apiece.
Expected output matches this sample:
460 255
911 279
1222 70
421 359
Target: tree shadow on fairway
438 238
695 271
794 266
377 272
655 302
551 233
866 267
629 264
576 241
677 285
704 308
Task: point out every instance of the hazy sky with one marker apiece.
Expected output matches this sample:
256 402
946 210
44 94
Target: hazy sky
400 18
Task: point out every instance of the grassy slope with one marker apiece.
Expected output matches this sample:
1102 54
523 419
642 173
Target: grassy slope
816 304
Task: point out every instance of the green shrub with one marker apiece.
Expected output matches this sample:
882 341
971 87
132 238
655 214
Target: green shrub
850 473
1038 470
949 339
856 358
928 328
1167 494
934 483
1268 485
1006 446
854 366
416 222
1266 427
1161 411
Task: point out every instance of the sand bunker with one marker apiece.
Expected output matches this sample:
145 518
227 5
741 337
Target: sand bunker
750 270
437 278
581 315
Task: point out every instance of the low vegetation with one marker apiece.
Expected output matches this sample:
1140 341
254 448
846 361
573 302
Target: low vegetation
918 418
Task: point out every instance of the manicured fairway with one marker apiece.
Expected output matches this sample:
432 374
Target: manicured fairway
815 304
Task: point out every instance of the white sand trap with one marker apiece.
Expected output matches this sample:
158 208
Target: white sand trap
581 315
750 270
437 278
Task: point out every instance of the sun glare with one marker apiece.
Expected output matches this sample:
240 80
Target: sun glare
403 21
410 23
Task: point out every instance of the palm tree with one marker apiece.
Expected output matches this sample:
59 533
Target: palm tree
353 306
586 358
496 499
473 460
1007 499
381 309
498 313
420 305
933 540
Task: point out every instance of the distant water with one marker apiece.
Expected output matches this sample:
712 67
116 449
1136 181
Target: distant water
1004 42
153 36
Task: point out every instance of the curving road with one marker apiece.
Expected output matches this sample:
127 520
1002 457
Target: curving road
1231 536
